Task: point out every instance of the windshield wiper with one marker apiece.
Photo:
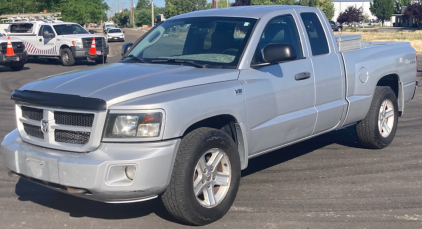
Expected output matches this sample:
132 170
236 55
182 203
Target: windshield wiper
190 62
140 60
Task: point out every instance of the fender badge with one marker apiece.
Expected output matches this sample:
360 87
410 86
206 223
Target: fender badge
238 92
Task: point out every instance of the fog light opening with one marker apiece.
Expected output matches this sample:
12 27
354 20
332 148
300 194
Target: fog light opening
130 171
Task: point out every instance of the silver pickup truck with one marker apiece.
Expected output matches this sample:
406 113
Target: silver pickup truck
197 97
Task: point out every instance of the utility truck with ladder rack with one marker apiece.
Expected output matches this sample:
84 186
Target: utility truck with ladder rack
55 40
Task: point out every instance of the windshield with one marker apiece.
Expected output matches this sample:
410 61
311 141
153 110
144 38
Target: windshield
214 41
66 29
109 26
114 31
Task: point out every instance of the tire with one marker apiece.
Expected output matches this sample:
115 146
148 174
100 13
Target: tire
67 58
100 60
16 68
179 198
339 29
378 128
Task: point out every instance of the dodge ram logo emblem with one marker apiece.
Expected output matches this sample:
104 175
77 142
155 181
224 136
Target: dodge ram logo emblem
44 126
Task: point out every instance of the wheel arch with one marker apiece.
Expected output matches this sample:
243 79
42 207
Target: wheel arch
63 47
228 124
393 81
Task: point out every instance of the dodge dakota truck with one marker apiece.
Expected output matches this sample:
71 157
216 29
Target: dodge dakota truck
17 61
54 40
198 96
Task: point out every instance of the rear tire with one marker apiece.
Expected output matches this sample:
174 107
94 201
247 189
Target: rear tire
339 29
16 68
378 128
67 57
205 177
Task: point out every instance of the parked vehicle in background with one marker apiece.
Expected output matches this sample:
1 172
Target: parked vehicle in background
16 62
107 25
336 26
197 97
59 40
115 34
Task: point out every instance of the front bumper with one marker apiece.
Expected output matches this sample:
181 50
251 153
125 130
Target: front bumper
115 39
82 53
11 61
99 172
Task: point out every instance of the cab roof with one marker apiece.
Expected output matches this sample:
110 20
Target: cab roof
238 11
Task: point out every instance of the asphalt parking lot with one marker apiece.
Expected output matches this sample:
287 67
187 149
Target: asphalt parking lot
325 182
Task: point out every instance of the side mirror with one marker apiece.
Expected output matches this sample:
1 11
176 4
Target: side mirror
126 47
278 52
47 35
91 31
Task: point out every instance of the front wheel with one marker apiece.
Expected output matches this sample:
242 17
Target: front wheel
378 128
67 57
205 177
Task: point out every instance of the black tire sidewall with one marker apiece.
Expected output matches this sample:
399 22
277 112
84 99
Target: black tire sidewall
198 214
71 60
387 93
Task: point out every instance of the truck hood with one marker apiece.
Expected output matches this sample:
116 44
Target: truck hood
76 36
12 39
125 81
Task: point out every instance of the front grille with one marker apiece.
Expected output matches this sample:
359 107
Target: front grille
34 131
98 42
74 119
18 47
32 113
73 137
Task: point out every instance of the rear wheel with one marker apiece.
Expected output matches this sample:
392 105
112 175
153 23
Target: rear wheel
205 177
339 29
16 67
378 128
67 57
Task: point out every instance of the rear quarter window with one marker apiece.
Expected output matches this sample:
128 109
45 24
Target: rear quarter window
316 34
21 28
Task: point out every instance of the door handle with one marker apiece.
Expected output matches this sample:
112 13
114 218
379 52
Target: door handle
302 76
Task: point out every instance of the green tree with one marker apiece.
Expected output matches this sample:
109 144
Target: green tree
79 11
222 3
143 4
122 18
382 9
326 6
176 7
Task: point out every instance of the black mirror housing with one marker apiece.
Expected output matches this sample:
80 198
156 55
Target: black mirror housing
126 47
278 52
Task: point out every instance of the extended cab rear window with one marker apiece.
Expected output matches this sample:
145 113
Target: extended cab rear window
21 28
316 34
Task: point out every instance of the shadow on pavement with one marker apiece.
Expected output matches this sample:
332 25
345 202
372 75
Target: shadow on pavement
79 207
7 69
58 62
346 137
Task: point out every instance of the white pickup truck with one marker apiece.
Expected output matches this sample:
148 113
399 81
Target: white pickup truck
16 62
196 98
58 40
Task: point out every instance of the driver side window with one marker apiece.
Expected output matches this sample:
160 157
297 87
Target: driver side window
280 30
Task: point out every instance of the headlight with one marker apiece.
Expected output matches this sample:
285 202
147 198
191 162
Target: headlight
78 43
146 125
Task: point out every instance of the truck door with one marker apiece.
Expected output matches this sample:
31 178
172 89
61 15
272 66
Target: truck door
279 97
329 77
46 41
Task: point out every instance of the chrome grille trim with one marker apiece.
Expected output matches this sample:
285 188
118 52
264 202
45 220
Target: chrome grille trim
76 130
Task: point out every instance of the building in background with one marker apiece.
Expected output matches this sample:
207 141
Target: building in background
341 5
